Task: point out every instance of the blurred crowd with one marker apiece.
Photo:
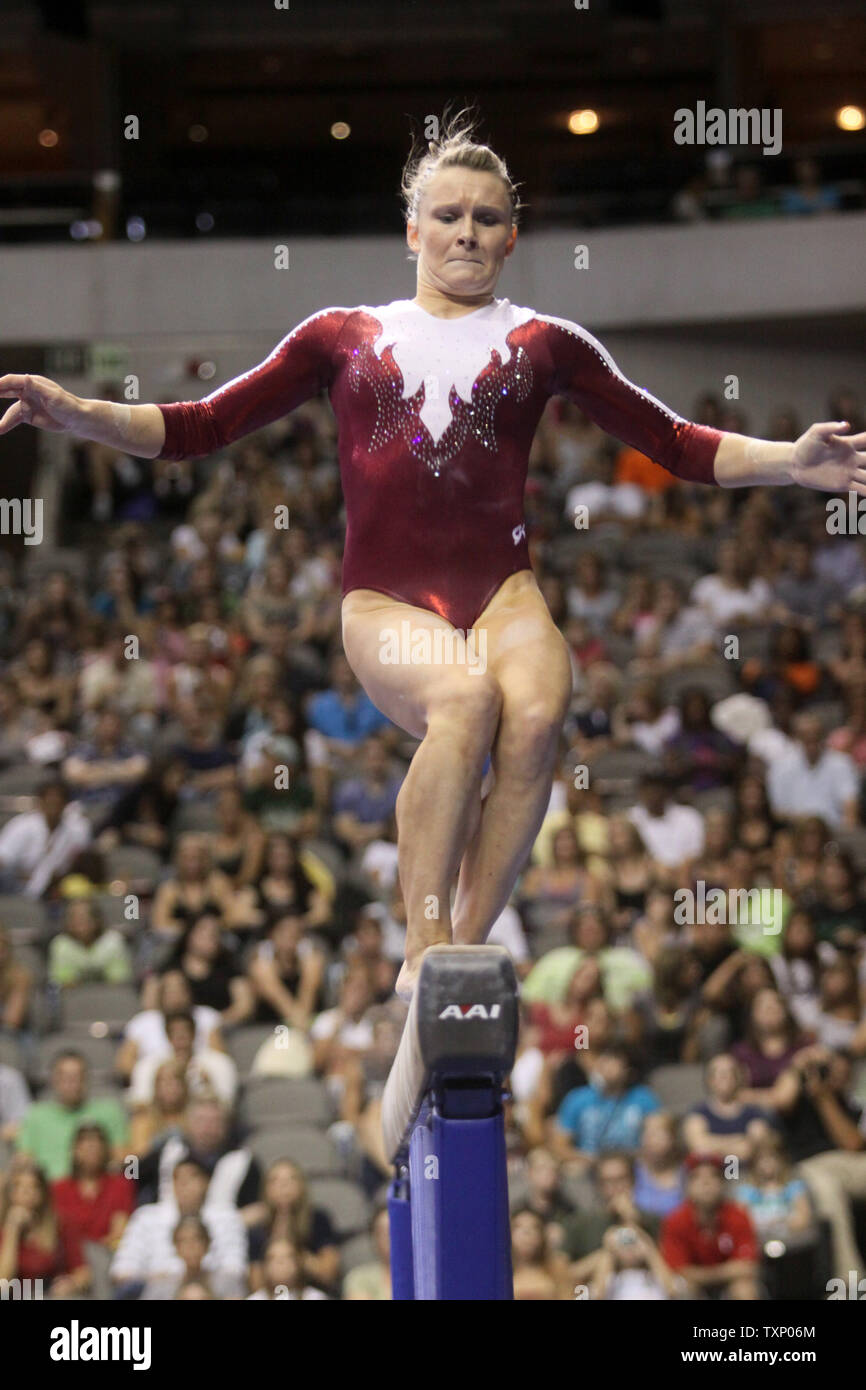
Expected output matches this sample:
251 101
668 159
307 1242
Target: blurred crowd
202 920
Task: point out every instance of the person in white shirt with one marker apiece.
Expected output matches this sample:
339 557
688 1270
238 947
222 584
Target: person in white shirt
38 846
672 833
147 1252
813 780
733 595
145 1035
205 1069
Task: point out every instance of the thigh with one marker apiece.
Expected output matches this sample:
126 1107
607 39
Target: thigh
408 659
526 653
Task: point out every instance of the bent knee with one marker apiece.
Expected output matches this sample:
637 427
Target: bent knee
472 705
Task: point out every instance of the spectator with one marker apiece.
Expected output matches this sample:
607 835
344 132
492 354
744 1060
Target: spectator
699 757
733 595
164 1115
194 890
772 1040
287 974
147 1251
814 780
725 1123
345 1031
710 1241
545 1194
631 1267
101 770
836 1018
285 1211
590 596
287 885
836 904
86 951
237 846
283 1273
673 834
809 194
38 847
606 1114
777 1202
92 1204
207 1137
624 974
615 1206
363 805
658 1169
825 1132
539 1271
206 1071
547 893
48 1129
30 1242
211 971
145 1034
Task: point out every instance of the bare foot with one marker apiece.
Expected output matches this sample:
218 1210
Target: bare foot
406 982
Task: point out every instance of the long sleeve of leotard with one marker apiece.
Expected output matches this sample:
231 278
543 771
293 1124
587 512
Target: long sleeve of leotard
299 367
584 372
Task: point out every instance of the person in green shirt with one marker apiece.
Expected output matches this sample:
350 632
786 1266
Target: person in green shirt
624 974
86 952
49 1127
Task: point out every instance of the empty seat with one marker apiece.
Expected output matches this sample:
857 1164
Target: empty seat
274 1101
113 1005
679 1087
133 863
345 1203
310 1148
359 1250
244 1043
27 918
11 1054
24 779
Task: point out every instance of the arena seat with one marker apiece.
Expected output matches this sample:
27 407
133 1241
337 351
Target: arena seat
678 1087
305 1145
83 1005
346 1205
272 1101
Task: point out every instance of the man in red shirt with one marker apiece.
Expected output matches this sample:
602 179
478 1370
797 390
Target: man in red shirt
709 1241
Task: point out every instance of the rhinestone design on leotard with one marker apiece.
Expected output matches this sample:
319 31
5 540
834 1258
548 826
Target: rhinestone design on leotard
400 415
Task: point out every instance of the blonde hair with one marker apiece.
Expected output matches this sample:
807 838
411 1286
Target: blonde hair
454 148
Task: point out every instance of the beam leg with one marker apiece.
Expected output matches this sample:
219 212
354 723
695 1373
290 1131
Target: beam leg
400 1223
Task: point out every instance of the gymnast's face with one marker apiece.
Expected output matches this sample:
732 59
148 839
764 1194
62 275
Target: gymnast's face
463 232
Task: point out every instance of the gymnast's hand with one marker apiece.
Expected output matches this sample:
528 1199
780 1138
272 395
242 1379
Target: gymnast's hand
39 402
829 459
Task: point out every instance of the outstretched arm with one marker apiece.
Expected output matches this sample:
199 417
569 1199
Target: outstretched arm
826 458
298 368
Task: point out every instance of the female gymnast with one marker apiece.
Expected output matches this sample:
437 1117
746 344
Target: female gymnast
437 399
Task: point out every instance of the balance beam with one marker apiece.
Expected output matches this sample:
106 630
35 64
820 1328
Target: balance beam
444 1129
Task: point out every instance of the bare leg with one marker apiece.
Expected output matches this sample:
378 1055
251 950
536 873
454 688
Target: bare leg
455 714
437 805
511 817
532 667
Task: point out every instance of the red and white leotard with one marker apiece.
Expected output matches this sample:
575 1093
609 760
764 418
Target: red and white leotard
435 420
